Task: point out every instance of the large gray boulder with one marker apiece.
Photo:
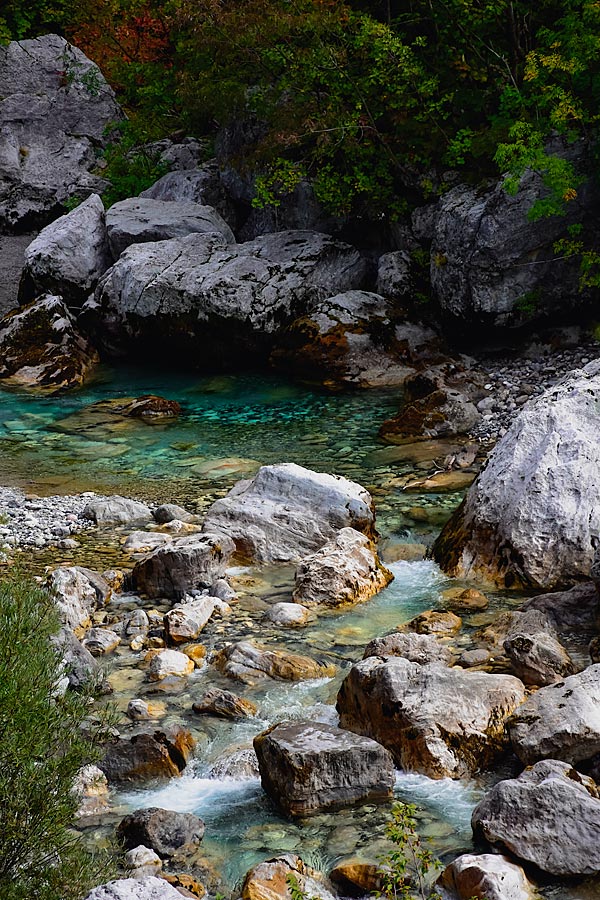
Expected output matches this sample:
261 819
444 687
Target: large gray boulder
492 266
148 888
55 109
306 767
435 720
201 185
162 830
142 220
248 662
560 721
287 511
186 564
68 256
211 300
418 648
548 816
486 875
344 571
41 347
116 510
531 517
76 595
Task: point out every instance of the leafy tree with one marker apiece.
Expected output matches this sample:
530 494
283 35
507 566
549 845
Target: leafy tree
42 747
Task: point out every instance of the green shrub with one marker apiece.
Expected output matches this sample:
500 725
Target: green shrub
42 747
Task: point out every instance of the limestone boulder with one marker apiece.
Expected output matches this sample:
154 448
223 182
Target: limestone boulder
537 657
162 830
486 876
417 648
224 705
68 256
92 791
116 510
186 621
345 571
169 664
248 662
560 721
207 301
140 220
146 888
41 347
531 517
183 565
268 880
56 111
158 754
439 721
100 641
201 185
290 615
287 511
548 816
81 669
306 768
77 593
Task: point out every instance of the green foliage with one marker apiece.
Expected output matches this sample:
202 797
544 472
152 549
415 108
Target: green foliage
41 749
130 167
408 870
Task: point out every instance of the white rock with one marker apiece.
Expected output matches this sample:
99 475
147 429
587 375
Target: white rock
149 888
167 663
486 875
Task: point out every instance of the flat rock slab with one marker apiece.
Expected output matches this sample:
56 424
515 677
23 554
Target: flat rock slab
287 511
435 720
308 767
548 816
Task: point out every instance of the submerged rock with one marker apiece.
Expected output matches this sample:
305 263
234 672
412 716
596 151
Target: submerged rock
346 570
142 220
548 816
41 347
307 767
531 516
287 511
183 565
68 256
162 830
249 663
438 721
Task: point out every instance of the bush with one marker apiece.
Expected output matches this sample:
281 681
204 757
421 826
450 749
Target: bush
42 747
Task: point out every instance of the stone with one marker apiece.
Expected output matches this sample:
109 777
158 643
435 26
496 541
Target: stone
55 120
225 705
356 877
185 564
162 830
201 185
290 615
186 621
537 658
158 754
440 483
169 511
394 276
241 764
531 518
344 571
91 789
355 338
68 256
148 408
140 220
249 663
169 663
465 601
100 641
139 710
117 511
207 301
79 665
306 767
435 621
41 347
486 876
560 721
441 413
287 511
268 880
143 861
435 720
76 596
492 267
418 648
548 816
145 541
147 888
468 659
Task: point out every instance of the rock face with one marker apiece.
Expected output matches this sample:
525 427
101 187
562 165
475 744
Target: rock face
140 220
153 755
40 346
56 107
561 721
486 876
209 301
249 663
287 511
344 571
68 256
438 721
161 830
531 516
149 888
491 266
183 565
352 339
306 768
548 816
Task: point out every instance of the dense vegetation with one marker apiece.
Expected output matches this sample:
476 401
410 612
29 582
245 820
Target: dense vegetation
42 747
374 100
